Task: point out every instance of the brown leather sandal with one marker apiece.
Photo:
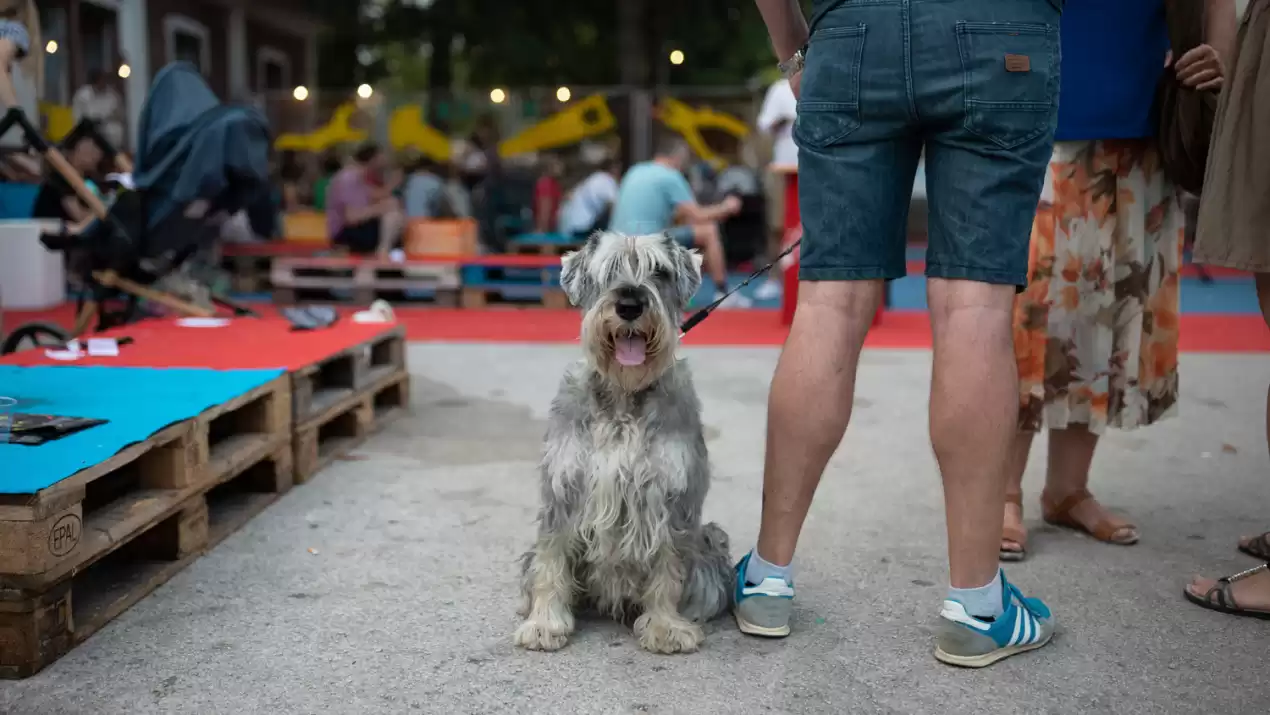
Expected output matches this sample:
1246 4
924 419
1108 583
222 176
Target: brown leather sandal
1105 530
1017 534
1258 547
1220 598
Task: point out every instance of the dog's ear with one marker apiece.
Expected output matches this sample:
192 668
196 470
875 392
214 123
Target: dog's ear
689 274
573 270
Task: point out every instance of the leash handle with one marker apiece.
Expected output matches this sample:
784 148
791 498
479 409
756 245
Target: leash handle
701 315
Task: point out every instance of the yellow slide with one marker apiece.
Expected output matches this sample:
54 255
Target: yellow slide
407 130
337 131
689 121
58 120
581 120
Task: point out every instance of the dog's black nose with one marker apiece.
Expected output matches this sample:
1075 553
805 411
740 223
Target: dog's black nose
629 308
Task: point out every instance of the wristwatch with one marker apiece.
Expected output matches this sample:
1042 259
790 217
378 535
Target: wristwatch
793 65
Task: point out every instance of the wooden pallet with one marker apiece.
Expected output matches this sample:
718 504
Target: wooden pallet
490 284
77 554
250 264
314 389
362 281
545 244
345 424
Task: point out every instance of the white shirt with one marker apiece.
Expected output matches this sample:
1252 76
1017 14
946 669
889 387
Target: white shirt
587 201
102 107
90 103
780 106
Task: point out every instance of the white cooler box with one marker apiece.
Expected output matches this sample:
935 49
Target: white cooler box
31 276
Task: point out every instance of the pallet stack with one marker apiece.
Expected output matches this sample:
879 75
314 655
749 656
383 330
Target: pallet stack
80 552
338 402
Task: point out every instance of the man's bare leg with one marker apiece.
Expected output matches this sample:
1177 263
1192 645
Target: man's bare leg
810 403
391 225
974 408
705 236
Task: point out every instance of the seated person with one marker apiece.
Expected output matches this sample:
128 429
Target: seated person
57 200
331 166
654 197
361 211
589 204
547 195
424 195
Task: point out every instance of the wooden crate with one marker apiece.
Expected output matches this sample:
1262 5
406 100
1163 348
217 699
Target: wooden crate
352 370
80 552
345 424
362 281
445 237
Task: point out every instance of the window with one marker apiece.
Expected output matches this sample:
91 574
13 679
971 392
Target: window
273 70
187 41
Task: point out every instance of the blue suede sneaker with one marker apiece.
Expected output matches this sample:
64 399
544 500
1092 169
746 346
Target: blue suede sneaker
764 609
970 642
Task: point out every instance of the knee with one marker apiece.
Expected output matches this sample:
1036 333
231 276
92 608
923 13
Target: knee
706 233
848 303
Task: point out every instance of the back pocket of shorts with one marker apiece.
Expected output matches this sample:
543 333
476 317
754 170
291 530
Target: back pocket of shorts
1011 79
829 105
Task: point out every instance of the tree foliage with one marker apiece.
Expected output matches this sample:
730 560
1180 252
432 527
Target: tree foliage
443 45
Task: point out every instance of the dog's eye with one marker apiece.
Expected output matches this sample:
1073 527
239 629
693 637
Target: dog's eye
661 274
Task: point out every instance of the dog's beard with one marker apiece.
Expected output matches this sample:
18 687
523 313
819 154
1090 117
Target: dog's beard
632 355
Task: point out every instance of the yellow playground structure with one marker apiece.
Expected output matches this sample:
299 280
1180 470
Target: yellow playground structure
584 119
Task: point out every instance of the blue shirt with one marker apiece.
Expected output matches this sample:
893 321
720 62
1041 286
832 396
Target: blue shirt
1113 55
422 195
647 198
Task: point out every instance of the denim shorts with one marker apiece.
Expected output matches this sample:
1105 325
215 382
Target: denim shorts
971 83
682 234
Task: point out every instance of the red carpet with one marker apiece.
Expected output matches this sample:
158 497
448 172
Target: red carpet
899 329
244 344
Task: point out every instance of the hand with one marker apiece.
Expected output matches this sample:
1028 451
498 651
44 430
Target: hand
1200 68
731 204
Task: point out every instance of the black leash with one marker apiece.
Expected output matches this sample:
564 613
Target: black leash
701 315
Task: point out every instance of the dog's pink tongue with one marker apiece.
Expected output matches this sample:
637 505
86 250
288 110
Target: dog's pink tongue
630 351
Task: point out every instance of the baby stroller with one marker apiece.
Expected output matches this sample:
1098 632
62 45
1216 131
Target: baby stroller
197 163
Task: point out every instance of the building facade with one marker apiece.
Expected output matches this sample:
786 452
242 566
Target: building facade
245 48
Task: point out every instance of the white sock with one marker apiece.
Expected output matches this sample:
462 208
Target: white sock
758 568
982 602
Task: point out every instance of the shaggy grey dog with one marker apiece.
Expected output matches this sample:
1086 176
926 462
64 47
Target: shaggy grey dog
624 467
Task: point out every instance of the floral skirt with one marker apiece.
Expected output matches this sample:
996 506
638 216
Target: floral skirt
1096 331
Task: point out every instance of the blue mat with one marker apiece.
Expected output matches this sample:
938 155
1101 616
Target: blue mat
137 401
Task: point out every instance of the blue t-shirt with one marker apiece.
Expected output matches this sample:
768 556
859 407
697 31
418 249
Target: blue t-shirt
647 197
1113 54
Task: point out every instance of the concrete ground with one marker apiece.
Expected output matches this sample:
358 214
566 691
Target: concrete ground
388 584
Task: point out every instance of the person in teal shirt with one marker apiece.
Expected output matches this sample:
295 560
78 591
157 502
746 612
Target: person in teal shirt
655 197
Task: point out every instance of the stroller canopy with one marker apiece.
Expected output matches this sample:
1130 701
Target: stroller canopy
190 147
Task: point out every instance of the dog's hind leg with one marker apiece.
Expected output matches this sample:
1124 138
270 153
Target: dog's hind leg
548 585
710 580
661 629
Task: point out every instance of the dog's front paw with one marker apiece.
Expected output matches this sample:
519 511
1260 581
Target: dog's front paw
663 634
536 635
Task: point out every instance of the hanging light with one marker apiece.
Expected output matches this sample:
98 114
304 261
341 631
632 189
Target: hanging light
563 94
364 91
124 71
51 47
300 93
497 96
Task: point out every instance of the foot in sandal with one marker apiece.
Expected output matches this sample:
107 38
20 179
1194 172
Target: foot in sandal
1080 511
1245 594
1257 546
1013 533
